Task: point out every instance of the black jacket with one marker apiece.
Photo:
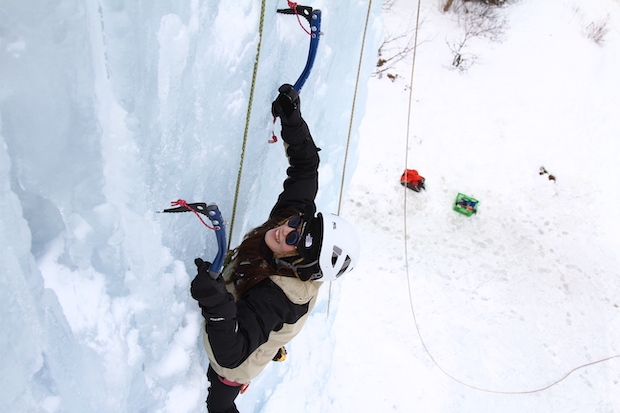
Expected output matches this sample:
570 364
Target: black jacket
302 183
241 327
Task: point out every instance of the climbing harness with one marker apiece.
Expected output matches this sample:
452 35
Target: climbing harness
244 386
406 238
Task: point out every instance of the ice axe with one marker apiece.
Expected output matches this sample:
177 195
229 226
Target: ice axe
211 211
313 16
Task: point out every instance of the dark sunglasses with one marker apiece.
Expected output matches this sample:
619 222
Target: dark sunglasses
293 237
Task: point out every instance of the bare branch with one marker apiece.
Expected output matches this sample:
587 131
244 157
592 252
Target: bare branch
477 19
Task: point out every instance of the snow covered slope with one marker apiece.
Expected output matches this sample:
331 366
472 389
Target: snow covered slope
515 297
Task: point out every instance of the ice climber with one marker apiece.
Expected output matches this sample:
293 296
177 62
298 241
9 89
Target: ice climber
266 293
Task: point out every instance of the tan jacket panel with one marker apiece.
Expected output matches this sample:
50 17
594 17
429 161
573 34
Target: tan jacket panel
298 292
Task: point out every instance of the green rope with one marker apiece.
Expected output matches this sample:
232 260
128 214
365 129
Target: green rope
247 121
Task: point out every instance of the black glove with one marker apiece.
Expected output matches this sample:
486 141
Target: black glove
286 105
209 293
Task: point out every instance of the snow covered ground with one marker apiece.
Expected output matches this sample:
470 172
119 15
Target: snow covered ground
517 296
109 111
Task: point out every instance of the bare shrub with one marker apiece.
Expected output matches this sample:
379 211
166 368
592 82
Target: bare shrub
461 60
394 48
390 53
594 29
447 6
598 30
477 19
387 5
448 3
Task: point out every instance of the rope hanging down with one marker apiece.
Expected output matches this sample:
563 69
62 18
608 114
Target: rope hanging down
357 81
247 120
314 18
346 152
415 45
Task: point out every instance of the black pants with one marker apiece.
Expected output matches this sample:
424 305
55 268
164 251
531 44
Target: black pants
221 397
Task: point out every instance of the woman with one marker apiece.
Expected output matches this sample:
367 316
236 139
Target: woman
270 286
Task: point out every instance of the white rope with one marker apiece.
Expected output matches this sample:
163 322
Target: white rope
346 153
409 112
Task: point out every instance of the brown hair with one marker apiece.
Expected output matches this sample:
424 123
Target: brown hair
254 260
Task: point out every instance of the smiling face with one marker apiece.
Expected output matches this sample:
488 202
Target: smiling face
275 239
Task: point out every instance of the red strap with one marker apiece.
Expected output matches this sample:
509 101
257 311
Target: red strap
231 383
293 6
274 138
181 202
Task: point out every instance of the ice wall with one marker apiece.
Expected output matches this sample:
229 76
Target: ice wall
108 111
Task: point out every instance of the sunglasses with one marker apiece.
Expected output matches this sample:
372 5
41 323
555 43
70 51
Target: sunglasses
293 237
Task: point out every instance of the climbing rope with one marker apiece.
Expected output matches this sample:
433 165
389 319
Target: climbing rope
346 153
409 113
357 80
247 120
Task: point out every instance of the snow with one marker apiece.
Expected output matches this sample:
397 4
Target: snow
109 111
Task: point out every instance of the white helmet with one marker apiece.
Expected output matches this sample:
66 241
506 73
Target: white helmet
330 247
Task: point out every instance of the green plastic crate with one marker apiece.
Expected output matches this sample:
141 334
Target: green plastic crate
466 205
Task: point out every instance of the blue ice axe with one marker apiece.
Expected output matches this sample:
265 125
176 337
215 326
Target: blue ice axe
314 18
212 212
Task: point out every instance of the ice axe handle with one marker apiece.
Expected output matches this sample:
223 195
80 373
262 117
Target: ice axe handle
214 214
